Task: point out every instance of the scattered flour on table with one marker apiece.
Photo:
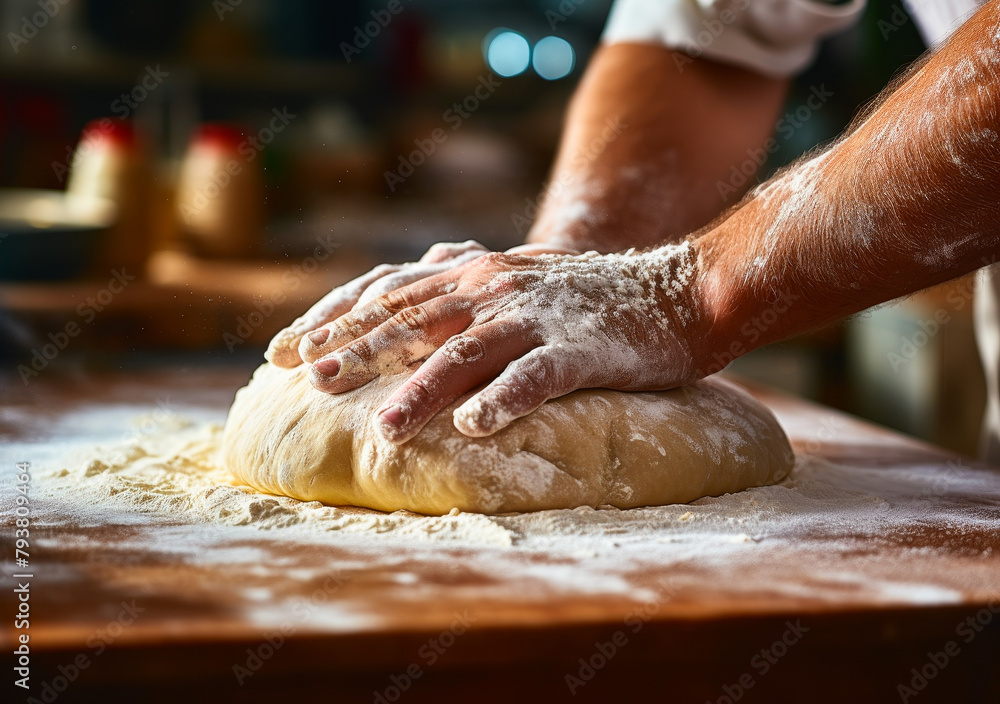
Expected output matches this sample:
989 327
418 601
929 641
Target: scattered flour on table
829 531
833 533
174 472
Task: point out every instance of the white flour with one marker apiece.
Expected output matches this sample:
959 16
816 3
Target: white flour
829 531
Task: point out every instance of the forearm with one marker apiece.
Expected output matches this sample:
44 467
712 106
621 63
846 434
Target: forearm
909 199
645 144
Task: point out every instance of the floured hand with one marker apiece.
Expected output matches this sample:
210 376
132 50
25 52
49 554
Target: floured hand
530 327
316 343
284 347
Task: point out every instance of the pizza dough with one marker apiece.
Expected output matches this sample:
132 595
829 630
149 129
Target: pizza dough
592 447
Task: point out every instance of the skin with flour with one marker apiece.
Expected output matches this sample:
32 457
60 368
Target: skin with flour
907 199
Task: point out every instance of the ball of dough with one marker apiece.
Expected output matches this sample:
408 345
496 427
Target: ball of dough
592 447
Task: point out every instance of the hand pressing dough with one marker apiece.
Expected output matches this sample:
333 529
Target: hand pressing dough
592 447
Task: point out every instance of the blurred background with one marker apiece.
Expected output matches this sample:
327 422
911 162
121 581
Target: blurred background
180 179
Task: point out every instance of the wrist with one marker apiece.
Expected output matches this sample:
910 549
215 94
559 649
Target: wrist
722 301
746 299
671 274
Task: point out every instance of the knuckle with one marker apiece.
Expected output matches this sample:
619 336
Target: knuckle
395 301
539 371
346 327
546 374
360 348
419 392
495 272
463 349
412 318
494 259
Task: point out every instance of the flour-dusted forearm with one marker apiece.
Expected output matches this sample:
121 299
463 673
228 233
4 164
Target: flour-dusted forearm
908 199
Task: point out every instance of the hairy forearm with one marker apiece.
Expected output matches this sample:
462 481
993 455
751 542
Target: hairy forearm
645 143
906 200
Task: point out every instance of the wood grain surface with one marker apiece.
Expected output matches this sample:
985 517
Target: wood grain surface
155 609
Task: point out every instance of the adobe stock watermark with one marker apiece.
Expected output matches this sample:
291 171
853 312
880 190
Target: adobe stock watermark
248 149
86 312
23 575
97 642
713 29
830 428
785 127
32 25
956 300
145 426
910 346
966 631
429 653
273 641
578 162
562 13
454 117
224 7
291 280
752 331
900 16
122 107
365 34
605 651
761 663
943 481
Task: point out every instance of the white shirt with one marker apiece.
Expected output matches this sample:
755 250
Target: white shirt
774 37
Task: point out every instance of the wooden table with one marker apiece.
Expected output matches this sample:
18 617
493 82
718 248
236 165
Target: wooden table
161 612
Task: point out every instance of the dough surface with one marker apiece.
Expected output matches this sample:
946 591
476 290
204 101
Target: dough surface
592 447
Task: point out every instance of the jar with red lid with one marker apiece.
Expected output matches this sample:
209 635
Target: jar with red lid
219 193
111 161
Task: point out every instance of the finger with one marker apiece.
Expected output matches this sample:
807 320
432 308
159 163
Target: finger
329 338
444 251
464 362
409 336
526 383
414 272
283 349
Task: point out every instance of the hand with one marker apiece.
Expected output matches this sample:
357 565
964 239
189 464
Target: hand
284 347
315 342
532 327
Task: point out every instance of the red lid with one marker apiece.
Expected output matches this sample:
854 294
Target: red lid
219 135
115 130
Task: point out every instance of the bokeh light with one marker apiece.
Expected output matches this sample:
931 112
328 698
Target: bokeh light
508 53
553 58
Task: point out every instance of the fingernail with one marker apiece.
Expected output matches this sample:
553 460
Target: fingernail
318 337
393 417
328 367
390 422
